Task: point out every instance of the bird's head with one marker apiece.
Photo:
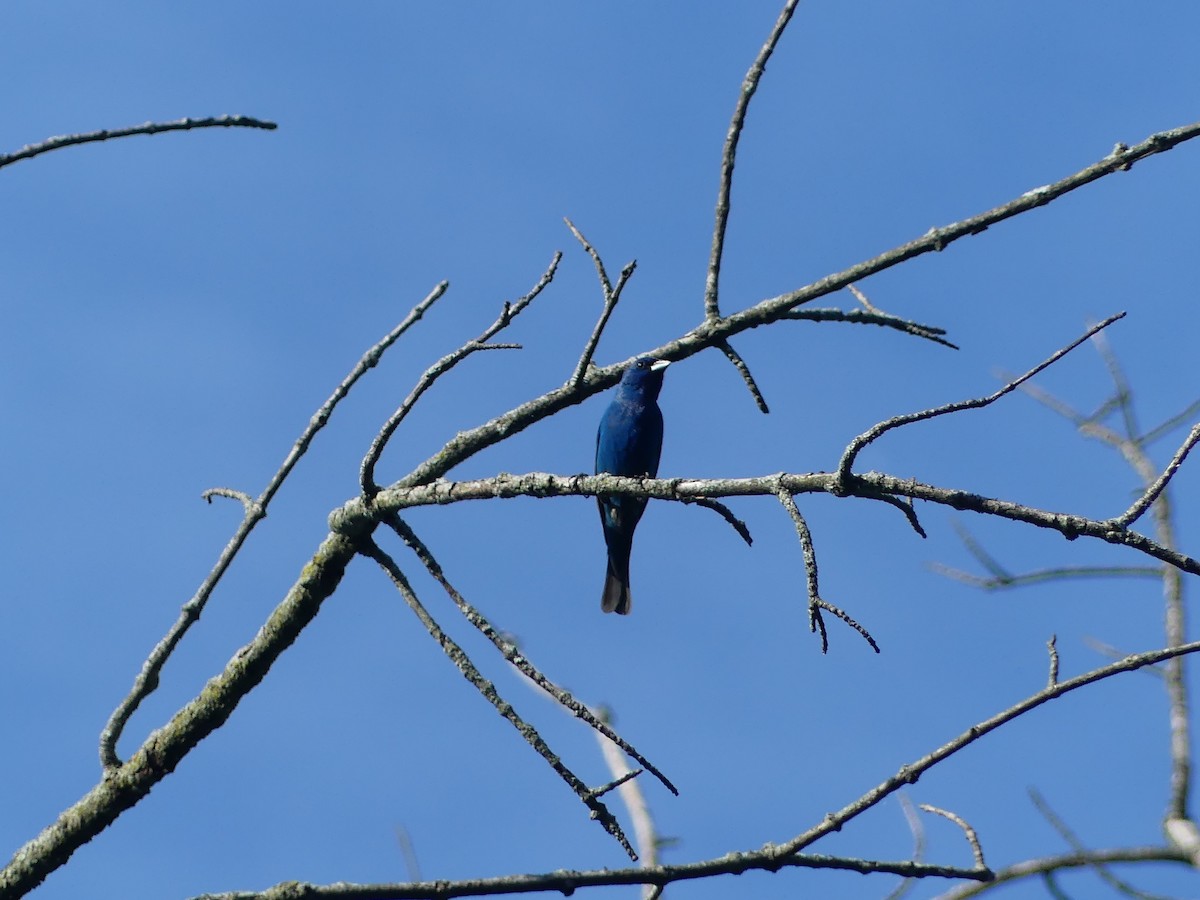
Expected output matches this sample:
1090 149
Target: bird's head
645 376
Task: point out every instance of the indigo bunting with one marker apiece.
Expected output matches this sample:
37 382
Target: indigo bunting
629 442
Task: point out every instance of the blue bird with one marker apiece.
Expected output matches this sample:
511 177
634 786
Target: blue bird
629 442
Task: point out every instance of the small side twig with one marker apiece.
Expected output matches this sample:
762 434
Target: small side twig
146 681
508 312
815 603
727 514
1143 503
858 317
70 140
925 331
463 663
1052 649
744 370
969 832
856 446
230 494
612 296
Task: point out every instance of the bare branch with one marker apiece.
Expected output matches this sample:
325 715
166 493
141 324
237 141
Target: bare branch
910 773
744 370
1037 867
125 785
1064 830
728 156
1041 576
70 140
509 312
858 317
709 333
230 494
568 882
612 296
856 446
463 663
968 831
931 334
724 511
869 486
1152 493
815 602
147 680
1170 424
513 654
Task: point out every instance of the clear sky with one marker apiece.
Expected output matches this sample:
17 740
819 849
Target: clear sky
176 307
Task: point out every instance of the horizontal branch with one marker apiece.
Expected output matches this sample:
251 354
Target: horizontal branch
869 486
567 882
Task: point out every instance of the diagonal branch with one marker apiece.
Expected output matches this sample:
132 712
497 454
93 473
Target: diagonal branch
509 312
515 657
463 662
255 510
910 773
856 446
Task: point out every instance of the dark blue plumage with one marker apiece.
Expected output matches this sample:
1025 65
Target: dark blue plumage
629 442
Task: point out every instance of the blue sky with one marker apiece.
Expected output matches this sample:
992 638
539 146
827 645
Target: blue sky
176 307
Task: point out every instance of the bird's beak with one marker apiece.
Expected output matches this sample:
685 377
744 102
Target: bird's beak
659 364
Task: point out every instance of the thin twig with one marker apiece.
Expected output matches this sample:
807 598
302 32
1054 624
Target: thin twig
147 679
727 514
729 155
463 663
513 655
1159 431
969 832
859 317
744 370
931 334
910 773
1052 649
1102 871
815 602
612 296
507 313
855 447
71 140
1153 492
1041 576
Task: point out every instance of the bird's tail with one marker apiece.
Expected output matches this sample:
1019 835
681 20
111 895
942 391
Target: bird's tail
616 596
